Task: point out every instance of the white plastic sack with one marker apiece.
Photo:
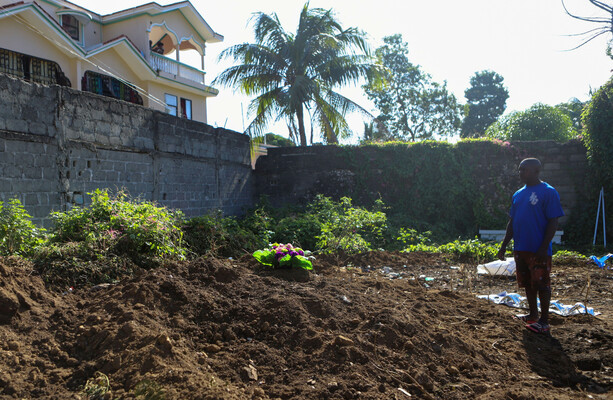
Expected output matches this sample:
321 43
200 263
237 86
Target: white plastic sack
498 268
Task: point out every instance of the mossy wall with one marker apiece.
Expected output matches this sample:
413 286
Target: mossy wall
455 189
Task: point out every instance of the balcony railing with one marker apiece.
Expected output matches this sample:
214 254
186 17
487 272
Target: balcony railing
173 67
32 68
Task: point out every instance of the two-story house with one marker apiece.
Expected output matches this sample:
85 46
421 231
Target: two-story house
142 54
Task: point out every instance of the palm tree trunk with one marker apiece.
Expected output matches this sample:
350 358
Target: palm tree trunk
301 130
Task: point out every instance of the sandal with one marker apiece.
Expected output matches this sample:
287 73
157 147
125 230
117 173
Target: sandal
525 318
538 327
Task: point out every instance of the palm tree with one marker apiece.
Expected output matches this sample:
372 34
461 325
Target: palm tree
293 74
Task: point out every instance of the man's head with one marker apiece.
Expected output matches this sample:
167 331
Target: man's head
529 170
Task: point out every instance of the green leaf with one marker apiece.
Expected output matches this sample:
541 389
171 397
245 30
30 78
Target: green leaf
301 262
285 260
265 257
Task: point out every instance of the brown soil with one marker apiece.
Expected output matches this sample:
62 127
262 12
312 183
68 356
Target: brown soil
224 329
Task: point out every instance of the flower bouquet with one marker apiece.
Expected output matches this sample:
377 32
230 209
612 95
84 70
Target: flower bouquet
283 256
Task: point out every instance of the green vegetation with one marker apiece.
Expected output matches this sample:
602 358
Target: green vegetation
122 226
283 256
97 388
539 122
116 235
485 101
18 235
412 107
278 140
108 240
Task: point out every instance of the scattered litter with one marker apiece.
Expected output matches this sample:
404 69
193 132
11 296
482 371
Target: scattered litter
345 299
100 286
518 301
428 279
404 391
497 268
601 261
454 267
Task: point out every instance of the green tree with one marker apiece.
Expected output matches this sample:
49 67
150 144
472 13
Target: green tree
539 122
375 132
486 101
293 75
278 140
597 121
573 108
411 105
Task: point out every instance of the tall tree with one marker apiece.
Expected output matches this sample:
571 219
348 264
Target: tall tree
539 122
293 75
411 105
486 101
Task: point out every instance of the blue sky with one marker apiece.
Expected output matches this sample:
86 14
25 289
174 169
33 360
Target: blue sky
523 40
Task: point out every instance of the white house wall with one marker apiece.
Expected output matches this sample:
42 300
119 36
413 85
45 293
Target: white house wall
135 29
36 45
198 102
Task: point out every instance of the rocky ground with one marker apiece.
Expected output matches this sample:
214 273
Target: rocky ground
225 329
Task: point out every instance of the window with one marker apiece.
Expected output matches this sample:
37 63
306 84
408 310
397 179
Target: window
171 104
71 26
186 108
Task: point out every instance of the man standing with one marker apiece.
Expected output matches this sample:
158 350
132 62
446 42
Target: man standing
534 214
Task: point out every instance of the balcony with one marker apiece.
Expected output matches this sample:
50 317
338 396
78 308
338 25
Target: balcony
162 63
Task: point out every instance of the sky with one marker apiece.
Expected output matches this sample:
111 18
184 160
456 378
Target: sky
525 41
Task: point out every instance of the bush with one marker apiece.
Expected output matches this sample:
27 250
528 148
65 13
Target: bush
539 122
108 240
568 257
122 226
216 235
472 250
18 235
347 228
301 229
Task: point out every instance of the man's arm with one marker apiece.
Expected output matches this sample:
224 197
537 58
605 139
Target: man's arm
507 238
550 232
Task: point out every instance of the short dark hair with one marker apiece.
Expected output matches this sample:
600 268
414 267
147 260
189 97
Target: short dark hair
535 162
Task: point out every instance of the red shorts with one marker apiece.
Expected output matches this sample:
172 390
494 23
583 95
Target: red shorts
531 272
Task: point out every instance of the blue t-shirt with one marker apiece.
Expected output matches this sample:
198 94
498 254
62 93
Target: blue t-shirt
532 207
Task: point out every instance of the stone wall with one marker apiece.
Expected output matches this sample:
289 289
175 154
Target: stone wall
58 144
296 175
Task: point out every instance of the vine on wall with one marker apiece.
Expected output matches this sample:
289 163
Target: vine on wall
432 185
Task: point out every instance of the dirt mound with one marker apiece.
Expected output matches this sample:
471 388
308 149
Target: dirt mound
225 329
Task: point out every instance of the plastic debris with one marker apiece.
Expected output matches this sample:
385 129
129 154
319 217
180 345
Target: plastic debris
497 268
601 261
555 307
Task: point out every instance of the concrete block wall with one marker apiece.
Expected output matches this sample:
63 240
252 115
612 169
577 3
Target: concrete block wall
58 144
295 175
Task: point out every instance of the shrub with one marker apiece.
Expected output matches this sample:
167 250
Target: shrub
216 235
122 226
462 250
568 257
300 229
347 228
18 235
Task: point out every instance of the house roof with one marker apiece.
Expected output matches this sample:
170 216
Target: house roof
184 7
